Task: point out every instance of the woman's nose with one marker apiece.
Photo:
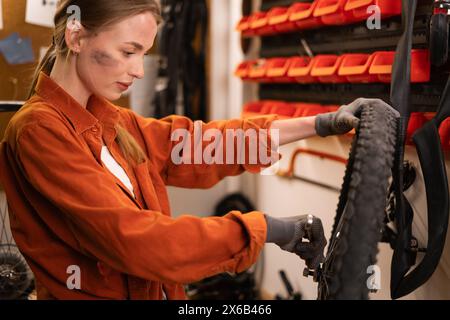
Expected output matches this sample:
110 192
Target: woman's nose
137 70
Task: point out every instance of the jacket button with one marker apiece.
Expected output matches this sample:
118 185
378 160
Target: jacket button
94 129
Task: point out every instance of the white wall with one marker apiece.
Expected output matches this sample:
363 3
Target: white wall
282 197
225 99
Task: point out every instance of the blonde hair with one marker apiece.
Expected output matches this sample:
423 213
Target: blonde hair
96 15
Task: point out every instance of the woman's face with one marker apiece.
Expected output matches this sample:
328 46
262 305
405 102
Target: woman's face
110 60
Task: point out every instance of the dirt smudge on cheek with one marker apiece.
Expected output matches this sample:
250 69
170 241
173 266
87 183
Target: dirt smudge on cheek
104 59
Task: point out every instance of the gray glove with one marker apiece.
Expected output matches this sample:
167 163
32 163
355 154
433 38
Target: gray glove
346 117
288 232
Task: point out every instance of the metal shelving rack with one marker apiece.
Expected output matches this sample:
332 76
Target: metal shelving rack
349 39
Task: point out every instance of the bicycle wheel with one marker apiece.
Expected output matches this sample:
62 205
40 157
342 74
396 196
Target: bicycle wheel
361 208
15 276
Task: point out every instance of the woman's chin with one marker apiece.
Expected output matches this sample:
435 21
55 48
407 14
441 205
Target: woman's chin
112 96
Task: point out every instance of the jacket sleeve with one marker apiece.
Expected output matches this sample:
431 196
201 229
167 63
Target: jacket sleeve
109 227
194 154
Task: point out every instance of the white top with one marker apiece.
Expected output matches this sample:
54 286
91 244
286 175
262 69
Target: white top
118 171
116 168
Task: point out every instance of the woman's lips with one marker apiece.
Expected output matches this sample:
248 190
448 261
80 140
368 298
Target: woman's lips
123 86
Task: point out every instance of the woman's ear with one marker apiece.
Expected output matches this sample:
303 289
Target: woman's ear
74 31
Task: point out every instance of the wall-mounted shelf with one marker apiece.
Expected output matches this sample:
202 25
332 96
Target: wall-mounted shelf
10 106
425 97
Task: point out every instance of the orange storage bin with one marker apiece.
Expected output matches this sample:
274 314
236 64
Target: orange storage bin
384 60
301 14
259 23
252 108
300 70
332 12
258 71
269 106
382 65
256 108
388 8
279 19
243 26
416 121
355 67
332 108
444 132
429 115
242 70
309 109
325 68
283 110
277 69
420 66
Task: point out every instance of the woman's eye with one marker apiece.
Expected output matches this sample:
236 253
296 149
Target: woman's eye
127 54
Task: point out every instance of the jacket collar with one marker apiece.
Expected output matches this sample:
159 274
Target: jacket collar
97 110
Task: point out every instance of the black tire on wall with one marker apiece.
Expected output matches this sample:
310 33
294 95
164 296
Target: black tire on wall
357 228
439 39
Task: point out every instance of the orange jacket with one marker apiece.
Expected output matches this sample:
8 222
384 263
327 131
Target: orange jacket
67 209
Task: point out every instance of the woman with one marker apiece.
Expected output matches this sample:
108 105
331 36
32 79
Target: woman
86 180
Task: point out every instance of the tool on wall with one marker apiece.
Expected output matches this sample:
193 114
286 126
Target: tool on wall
290 172
292 295
182 48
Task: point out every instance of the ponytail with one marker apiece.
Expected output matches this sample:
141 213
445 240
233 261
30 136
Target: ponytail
45 65
130 148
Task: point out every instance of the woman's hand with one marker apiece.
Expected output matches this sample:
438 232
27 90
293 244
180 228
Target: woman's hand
346 118
288 234
326 124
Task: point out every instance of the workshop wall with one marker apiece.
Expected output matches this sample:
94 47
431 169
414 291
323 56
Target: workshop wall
15 80
280 197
